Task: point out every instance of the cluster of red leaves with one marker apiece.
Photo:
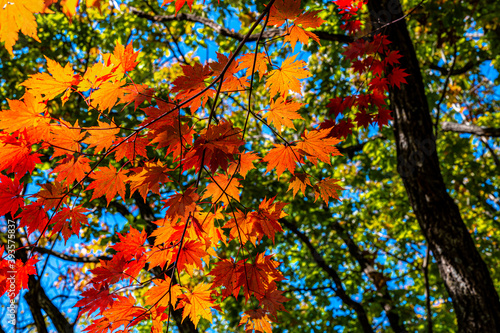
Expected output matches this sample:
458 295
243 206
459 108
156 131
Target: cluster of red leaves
377 66
112 161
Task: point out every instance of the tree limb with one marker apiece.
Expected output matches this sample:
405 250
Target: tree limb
467 67
448 126
68 257
332 273
269 33
377 278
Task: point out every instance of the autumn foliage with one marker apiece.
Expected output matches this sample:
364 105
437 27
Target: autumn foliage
184 135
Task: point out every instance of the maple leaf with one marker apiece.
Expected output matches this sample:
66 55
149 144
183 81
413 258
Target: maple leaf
363 119
255 278
66 139
282 112
10 195
123 312
110 271
132 148
96 298
256 321
230 82
223 188
216 145
246 61
298 182
29 113
397 76
197 303
317 145
173 136
266 219
287 77
48 86
181 204
131 244
102 137
190 256
273 300
16 154
327 188
163 294
51 195
126 56
282 158
71 169
108 182
283 10
18 16
137 94
77 217
242 227
108 95
149 178
392 58
34 217
383 117
225 273
23 271
192 83
243 165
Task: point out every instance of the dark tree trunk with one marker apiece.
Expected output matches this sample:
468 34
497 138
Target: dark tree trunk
465 274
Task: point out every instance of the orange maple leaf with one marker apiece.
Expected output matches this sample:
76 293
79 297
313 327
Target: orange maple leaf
149 178
225 273
197 303
48 86
246 61
282 112
256 321
243 165
29 113
223 188
216 145
317 145
102 137
108 182
287 77
126 56
179 4
327 188
298 182
282 158
18 16
181 204
163 294
71 169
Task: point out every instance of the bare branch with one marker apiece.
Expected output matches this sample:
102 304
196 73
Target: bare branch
67 257
332 273
269 33
448 126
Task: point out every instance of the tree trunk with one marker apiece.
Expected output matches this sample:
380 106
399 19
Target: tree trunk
465 274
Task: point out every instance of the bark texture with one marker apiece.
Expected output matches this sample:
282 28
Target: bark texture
465 274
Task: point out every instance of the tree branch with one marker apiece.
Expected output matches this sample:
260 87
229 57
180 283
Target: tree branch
68 257
332 273
269 33
448 126
467 67
377 278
